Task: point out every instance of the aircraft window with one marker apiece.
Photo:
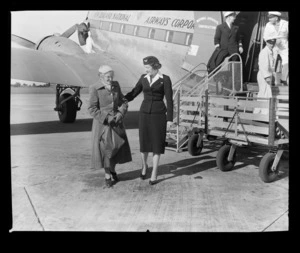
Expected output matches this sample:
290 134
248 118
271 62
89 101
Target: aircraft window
129 29
179 38
143 32
160 34
122 28
110 26
105 25
94 23
152 32
116 27
135 30
189 39
170 36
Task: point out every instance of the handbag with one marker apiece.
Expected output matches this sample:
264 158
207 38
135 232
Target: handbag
111 141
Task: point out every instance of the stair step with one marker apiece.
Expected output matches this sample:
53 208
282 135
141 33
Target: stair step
282 97
190 108
190 117
276 90
189 124
191 99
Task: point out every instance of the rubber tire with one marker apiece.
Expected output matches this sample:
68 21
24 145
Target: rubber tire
264 170
69 109
192 145
221 158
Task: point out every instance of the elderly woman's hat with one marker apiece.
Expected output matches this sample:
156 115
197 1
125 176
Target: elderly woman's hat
104 69
274 13
150 60
228 13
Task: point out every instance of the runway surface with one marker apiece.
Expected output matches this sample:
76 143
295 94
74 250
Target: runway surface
54 188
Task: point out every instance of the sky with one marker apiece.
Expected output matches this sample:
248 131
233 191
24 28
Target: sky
34 25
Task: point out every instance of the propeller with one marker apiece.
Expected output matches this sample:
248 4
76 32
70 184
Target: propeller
22 41
83 30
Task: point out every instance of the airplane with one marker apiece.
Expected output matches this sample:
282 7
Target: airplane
181 40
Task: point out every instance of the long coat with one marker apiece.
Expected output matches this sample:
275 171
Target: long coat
101 104
228 39
154 114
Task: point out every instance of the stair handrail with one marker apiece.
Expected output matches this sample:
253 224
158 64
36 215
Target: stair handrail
215 71
188 74
179 83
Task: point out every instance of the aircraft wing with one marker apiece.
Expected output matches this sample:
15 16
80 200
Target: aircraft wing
73 70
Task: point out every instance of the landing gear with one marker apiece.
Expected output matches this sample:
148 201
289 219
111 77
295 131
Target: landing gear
266 173
195 144
67 104
226 157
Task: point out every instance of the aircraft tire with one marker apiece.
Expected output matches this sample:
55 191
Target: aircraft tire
265 165
221 159
69 109
192 145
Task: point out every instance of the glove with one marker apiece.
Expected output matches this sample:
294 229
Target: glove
241 50
110 120
118 117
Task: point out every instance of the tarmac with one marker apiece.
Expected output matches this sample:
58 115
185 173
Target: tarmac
55 189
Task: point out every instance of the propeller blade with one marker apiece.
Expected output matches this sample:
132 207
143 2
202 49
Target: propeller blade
22 41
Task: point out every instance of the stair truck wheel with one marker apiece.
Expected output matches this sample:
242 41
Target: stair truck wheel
222 161
192 145
265 165
68 111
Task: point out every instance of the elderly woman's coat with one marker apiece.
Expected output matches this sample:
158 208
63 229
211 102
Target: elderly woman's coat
101 104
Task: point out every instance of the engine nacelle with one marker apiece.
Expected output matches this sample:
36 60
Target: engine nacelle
59 44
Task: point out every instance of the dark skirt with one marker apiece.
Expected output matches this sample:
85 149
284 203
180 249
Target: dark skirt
152 132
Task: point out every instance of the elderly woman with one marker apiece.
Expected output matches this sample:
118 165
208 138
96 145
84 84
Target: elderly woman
108 107
153 114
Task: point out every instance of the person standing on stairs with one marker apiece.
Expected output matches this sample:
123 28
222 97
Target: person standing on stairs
227 41
265 75
281 50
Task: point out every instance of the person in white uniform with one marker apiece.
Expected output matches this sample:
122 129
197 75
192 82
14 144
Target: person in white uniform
280 27
265 75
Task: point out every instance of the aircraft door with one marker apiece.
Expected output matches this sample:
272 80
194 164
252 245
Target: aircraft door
202 45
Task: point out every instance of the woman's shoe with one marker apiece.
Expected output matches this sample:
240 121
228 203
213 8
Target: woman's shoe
143 177
108 182
115 176
152 182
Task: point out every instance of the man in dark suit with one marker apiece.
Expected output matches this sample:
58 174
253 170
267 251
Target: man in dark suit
227 41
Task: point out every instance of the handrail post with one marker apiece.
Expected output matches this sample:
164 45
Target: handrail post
241 68
272 118
178 115
233 72
206 112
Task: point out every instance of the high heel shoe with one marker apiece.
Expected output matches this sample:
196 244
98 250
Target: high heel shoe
152 182
108 182
115 176
143 177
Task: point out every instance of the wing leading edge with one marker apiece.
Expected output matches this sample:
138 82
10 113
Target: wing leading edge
72 70
41 66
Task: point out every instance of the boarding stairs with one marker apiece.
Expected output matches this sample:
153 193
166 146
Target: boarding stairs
226 79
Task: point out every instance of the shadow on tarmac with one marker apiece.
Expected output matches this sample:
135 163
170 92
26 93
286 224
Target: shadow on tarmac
80 125
192 166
